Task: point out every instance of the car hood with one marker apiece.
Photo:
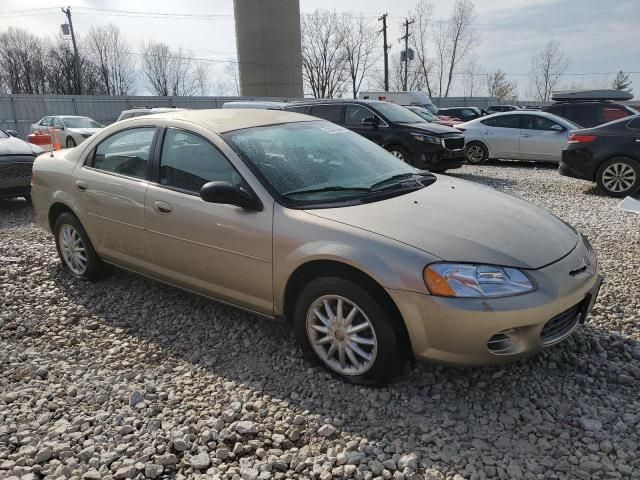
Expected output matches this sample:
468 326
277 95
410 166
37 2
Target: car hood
84 131
428 127
461 221
15 146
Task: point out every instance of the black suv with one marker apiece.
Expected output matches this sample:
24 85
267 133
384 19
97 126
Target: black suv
590 113
396 128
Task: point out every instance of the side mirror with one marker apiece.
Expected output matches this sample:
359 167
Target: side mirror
13 133
225 193
370 122
557 128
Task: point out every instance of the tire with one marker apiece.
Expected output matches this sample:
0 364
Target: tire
70 142
476 153
92 267
619 177
376 338
400 153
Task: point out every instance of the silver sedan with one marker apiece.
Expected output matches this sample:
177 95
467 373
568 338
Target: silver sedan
70 130
517 135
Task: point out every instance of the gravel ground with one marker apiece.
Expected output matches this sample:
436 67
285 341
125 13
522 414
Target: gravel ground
127 378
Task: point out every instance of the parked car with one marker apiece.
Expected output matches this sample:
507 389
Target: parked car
465 114
427 116
70 130
371 260
142 111
519 135
257 104
403 133
608 155
502 108
401 98
16 161
589 108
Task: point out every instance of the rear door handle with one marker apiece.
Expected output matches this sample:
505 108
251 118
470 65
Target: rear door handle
81 185
162 207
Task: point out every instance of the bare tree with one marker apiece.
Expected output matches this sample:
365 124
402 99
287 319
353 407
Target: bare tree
59 69
472 80
441 44
360 48
168 72
110 53
420 39
499 87
461 36
622 82
415 78
22 62
547 68
324 63
182 70
201 76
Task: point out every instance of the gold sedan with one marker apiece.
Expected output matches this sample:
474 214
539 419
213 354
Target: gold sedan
373 261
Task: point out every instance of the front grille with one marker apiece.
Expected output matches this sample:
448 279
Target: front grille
454 143
560 326
16 170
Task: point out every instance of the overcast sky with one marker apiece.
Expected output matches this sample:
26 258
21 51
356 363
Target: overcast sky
598 36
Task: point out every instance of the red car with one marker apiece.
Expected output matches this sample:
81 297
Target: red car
430 117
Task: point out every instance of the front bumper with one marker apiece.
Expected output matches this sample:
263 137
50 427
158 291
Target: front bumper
458 330
441 159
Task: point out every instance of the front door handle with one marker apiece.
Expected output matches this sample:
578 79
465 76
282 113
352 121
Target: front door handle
162 207
526 135
638 140
82 186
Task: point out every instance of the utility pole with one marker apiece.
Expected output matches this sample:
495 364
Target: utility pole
406 50
386 47
76 59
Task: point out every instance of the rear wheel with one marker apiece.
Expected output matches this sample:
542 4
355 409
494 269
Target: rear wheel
399 152
619 177
70 142
342 326
476 153
75 249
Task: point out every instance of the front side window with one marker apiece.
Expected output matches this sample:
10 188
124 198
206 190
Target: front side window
44 122
316 161
125 152
502 121
189 161
397 113
80 122
354 114
327 112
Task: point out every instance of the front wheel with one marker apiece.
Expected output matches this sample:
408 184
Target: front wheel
399 152
619 177
476 153
70 142
75 249
342 326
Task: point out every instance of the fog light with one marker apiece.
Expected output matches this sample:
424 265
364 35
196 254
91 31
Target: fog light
504 342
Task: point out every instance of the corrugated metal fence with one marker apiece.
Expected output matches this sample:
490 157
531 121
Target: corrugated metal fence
18 112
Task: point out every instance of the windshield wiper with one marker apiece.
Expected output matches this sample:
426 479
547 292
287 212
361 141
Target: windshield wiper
335 188
400 176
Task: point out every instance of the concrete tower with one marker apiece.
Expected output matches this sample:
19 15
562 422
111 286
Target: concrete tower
269 47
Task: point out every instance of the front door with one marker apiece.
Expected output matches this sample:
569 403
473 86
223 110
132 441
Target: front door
219 250
111 187
541 138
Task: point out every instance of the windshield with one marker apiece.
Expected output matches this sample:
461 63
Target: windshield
424 113
80 122
3 134
396 113
317 161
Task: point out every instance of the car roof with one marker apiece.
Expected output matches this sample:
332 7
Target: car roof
225 120
339 101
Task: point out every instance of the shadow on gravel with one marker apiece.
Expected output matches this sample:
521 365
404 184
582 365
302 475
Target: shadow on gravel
536 412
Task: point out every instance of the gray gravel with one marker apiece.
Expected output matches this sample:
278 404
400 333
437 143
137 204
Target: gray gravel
127 378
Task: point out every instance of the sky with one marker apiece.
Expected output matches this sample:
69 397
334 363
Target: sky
599 37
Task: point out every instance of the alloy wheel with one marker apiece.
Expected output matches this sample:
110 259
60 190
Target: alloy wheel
475 154
397 154
72 249
618 177
341 335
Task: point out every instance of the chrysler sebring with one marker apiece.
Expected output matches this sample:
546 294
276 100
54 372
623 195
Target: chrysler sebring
372 261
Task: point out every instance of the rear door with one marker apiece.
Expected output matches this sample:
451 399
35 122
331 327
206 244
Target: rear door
111 187
540 138
502 135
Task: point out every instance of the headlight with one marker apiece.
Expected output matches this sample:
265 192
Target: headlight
475 281
36 149
421 137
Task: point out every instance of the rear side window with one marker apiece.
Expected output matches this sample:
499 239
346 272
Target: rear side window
583 114
189 161
125 152
504 121
327 112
